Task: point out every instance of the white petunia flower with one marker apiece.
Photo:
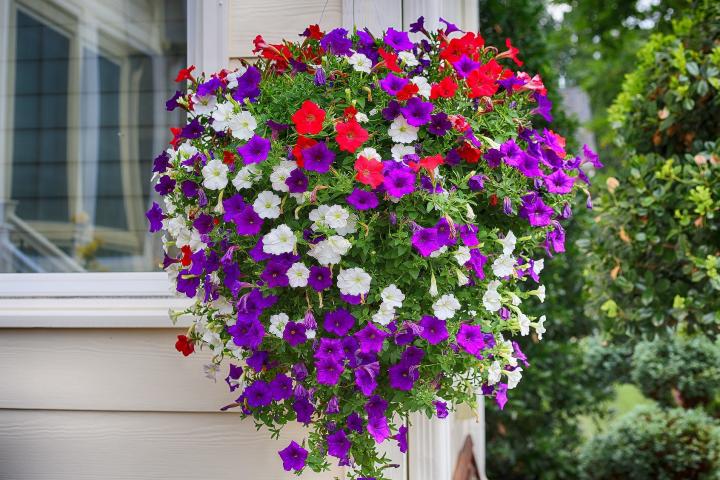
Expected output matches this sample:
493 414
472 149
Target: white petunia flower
503 266
317 216
439 251
538 266
336 217
277 324
324 254
515 300
187 150
351 226
204 105
360 62
392 296
494 373
462 255
298 275
222 116
369 153
232 77
423 85
267 205
361 117
338 244
247 175
310 334
540 292
461 277
399 151
280 173
491 298
215 175
408 58
385 314
508 243
279 240
524 323
540 327
402 132
354 281
445 307
243 125
514 377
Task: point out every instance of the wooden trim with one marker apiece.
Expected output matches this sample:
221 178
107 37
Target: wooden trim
208 34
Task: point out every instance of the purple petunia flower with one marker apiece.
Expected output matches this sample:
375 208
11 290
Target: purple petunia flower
555 240
165 186
235 372
417 112
297 181
192 129
465 66
258 360
247 333
330 348
449 27
203 223
378 428
398 40
293 457
210 87
439 124
354 422
501 395
543 108
161 163
247 222
320 278
426 241
255 150
172 102
257 394
338 444
370 338
328 371
392 84
441 409
281 387
294 334
366 377
434 330
536 211
318 157
470 338
303 410
338 322
299 372
155 217
559 182
418 25
399 181
337 42
275 274
402 439
248 85
476 183
445 234
391 111
362 199
403 376
320 78
477 263
233 207
468 235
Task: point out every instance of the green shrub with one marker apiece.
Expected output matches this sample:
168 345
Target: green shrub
654 444
678 372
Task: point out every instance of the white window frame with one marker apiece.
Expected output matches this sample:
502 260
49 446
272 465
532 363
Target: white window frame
117 299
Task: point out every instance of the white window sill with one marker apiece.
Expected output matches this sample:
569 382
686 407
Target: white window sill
88 300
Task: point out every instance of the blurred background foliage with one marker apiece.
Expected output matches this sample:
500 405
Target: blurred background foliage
627 384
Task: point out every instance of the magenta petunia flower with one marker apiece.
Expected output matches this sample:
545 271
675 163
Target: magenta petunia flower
536 211
403 375
392 84
426 241
559 182
362 199
470 338
399 181
366 377
339 322
434 330
328 371
293 457
398 40
465 66
370 338
441 409
378 428
255 150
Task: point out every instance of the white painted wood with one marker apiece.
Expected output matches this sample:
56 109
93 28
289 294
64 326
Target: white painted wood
376 15
276 20
430 452
463 13
208 34
64 445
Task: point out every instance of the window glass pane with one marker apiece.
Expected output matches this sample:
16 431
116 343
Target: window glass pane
85 115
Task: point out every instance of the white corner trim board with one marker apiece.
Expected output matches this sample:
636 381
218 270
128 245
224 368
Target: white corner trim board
88 300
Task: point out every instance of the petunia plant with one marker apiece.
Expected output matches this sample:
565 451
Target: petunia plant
359 220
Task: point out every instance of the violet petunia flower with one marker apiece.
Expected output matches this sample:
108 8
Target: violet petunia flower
172 102
330 348
465 66
161 163
354 422
441 409
398 40
328 371
258 394
536 211
418 25
439 124
165 185
338 444
275 274
294 334
449 27
366 377
434 330
192 130
247 333
235 372
501 395
320 278
559 182
470 338
544 105
337 42
255 150
248 85
339 322
426 241
403 375
155 217
476 183
370 339
392 84
293 457
362 199
318 157
402 439
297 181
417 112
303 410
281 387
399 181
391 111
247 222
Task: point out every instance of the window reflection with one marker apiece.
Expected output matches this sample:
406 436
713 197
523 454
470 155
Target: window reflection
83 118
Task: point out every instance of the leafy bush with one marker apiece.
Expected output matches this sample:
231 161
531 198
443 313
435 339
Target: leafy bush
654 444
679 372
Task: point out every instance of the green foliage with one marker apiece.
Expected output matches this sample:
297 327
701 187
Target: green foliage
654 444
678 372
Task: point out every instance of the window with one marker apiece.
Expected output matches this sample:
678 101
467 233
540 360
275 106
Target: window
83 119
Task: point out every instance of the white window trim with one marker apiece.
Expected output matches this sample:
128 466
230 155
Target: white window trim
117 299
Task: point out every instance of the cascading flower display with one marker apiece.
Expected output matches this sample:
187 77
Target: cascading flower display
359 220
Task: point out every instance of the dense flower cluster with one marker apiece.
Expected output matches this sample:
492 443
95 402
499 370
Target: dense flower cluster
360 220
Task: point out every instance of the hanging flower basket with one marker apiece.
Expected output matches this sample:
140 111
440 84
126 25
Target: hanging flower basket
359 219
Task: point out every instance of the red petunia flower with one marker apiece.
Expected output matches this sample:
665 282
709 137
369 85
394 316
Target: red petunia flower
350 135
350 112
407 92
481 85
446 88
469 44
176 131
302 144
186 259
228 157
184 345
390 60
309 118
313 31
185 74
511 53
369 172
469 153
